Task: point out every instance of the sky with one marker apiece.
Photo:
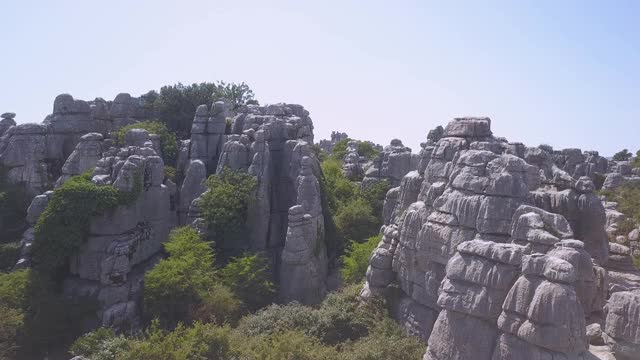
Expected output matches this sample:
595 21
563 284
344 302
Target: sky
564 73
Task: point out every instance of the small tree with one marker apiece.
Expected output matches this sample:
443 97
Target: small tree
250 279
225 204
623 155
356 260
356 222
176 284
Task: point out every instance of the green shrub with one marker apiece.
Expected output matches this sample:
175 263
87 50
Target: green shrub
356 260
623 155
340 149
343 317
366 149
176 285
200 341
101 344
294 345
225 204
64 225
628 199
13 209
356 222
250 279
386 341
340 190
14 288
278 318
374 195
170 173
9 254
218 305
168 142
636 161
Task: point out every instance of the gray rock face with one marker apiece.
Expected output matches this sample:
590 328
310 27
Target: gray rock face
327 145
207 134
391 164
84 157
352 164
498 249
35 153
285 217
622 325
126 241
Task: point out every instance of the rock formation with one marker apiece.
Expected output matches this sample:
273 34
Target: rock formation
35 153
285 218
327 145
499 251
394 162
273 143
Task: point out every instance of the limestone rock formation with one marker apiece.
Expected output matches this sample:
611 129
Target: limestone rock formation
126 241
499 250
285 217
395 161
35 153
327 145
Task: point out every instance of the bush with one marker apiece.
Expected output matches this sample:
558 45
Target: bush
356 260
366 149
250 279
168 142
374 195
278 318
225 204
201 341
355 221
340 191
11 326
628 199
176 104
623 155
219 305
343 317
340 149
176 285
387 341
9 254
64 225
13 209
286 345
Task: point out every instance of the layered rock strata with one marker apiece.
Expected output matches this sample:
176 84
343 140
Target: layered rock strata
498 252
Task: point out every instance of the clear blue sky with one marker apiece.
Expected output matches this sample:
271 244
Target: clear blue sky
566 73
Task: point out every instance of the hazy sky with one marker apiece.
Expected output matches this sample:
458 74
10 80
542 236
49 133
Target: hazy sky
566 73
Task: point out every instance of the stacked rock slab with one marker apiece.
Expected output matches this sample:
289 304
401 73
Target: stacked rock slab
34 153
126 241
578 163
352 164
327 145
285 217
303 272
391 164
486 244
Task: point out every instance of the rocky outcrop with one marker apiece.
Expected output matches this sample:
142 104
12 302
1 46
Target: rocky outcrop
35 153
127 240
327 145
498 252
353 164
285 218
395 161
303 272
